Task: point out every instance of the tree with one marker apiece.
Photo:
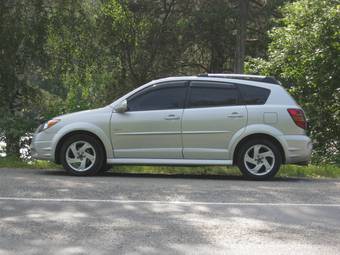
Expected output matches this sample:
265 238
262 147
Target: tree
254 19
210 38
221 33
241 36
148 37
69 55
81 68
22 33
304 52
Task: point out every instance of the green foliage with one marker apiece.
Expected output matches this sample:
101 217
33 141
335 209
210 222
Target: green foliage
304 52
22 36
78 62
211 35
64 56
13 162
315 171
147 37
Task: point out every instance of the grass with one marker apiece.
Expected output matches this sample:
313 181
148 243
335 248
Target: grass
9 162
313 171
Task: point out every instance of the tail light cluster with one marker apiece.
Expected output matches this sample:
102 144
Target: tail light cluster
299 117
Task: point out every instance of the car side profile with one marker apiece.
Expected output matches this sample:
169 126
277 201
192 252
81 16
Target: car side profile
212 119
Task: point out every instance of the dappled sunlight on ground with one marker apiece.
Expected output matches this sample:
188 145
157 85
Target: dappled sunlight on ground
138 214
161 228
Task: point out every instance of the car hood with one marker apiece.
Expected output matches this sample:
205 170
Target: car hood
85 113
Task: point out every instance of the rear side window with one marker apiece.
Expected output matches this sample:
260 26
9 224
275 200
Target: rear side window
159 97
253 95
203 94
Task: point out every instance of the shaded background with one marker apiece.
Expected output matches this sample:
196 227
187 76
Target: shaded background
64 56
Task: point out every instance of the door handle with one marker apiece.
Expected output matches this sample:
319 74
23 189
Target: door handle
235 115
172 117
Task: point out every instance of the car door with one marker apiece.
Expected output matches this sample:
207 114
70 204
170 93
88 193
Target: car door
211 117
151 127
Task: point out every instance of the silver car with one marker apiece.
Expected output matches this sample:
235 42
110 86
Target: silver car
211 119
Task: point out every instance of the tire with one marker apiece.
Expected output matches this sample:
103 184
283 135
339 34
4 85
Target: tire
82 155
105 168
262 165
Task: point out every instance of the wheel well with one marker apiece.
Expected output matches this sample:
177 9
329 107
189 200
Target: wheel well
63 139
258 136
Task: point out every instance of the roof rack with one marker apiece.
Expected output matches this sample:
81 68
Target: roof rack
248 77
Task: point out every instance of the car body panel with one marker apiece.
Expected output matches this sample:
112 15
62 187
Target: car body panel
168 161
93 121
209 139
147 134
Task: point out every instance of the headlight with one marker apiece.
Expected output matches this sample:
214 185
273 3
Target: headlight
48 124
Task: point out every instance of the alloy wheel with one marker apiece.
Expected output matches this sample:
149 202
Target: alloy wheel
80 156
259 159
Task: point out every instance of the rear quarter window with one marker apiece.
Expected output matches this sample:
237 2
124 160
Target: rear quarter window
252 95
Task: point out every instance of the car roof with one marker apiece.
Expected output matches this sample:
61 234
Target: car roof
255 80
249 77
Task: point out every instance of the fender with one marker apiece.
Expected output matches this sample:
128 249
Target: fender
83 126
256 129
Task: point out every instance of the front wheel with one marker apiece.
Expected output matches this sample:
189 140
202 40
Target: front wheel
82 155
259 159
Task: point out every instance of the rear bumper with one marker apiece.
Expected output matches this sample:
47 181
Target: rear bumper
299 149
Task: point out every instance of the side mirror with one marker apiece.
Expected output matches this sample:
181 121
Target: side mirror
122 107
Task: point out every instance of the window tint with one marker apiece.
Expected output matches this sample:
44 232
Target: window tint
211 95
159 98
254 95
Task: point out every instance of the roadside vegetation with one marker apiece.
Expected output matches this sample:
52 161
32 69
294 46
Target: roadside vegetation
13 162
314 171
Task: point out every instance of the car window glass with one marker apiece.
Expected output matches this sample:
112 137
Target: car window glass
212 96
253 95
159 98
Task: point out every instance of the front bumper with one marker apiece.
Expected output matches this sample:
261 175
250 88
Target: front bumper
299 149
41 147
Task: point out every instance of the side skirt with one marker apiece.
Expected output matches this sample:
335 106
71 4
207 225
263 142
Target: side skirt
143 161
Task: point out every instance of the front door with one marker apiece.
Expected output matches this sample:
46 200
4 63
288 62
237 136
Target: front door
212 116
151 128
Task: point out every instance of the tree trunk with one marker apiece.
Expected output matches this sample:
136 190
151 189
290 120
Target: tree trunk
241 36
216 61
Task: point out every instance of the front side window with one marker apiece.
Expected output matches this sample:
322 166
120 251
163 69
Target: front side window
159 97
212 95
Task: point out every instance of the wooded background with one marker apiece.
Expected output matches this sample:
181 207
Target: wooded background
68 55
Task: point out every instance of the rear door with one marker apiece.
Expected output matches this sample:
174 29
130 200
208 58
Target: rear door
211 117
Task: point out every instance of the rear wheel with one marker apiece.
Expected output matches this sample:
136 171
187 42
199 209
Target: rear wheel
82 155
259 159
105 168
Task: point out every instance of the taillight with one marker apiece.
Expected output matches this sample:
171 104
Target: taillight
299 117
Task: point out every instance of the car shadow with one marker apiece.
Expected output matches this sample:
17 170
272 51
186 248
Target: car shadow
112 174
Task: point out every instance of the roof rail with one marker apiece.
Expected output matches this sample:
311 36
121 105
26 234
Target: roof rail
248 77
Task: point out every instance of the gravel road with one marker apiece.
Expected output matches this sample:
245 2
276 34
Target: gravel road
49 212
